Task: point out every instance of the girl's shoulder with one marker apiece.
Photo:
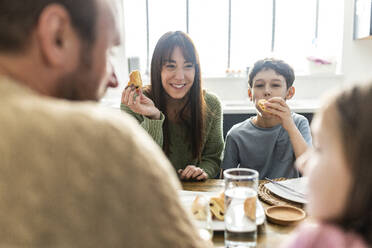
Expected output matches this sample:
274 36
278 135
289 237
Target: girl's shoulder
317 235
212 101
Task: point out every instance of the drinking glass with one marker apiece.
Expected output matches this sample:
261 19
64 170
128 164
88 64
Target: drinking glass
240 207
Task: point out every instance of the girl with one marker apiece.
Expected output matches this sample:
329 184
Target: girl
182 118
340 174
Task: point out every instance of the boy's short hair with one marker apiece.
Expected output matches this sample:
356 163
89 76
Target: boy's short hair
279 66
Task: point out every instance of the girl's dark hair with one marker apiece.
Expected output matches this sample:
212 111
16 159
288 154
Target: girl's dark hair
19 17
193 113
279 66
354 107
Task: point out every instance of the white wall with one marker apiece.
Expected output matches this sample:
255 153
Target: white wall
357 54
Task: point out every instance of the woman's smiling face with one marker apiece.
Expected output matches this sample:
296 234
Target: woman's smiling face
177 75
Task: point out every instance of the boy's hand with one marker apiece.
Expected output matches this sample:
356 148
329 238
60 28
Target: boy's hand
278 107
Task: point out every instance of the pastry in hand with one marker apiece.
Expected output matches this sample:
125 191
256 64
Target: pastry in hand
135 79
217 206
261 103
199 209
250 208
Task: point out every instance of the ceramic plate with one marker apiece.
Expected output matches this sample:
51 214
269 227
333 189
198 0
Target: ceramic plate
298 184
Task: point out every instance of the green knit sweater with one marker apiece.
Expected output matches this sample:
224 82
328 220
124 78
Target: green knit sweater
180 145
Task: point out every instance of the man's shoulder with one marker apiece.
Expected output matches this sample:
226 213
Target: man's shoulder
57 119
87 132
88 115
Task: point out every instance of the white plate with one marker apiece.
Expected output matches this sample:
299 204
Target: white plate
187 197
298 184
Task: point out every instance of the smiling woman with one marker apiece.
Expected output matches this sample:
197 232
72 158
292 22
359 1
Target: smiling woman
177 75
182 118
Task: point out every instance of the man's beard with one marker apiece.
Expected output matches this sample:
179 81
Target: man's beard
81 84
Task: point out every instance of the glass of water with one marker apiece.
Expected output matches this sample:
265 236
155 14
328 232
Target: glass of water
240 207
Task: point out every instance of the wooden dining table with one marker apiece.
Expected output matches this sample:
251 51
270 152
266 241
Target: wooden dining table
268 234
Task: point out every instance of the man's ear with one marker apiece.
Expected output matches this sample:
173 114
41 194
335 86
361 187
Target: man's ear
290 93
55 35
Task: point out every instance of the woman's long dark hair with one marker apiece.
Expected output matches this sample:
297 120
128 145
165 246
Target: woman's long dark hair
193 112
354 108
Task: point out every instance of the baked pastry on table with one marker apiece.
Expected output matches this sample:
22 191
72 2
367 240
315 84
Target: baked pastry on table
135 79
217 206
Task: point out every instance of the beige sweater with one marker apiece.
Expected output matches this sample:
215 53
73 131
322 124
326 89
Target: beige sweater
74 175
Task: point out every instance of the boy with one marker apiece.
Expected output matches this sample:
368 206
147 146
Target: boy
270 141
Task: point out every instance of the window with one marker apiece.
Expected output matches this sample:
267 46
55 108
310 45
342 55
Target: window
295 30
164 16
251 31
135 31
208 28
235 33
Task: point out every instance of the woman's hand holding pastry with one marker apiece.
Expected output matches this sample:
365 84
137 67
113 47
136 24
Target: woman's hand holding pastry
278 107
139 103
133 97
192 172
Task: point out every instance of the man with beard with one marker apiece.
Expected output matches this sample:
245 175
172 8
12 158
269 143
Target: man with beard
72 175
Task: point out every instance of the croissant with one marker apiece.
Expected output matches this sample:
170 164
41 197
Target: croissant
135 79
